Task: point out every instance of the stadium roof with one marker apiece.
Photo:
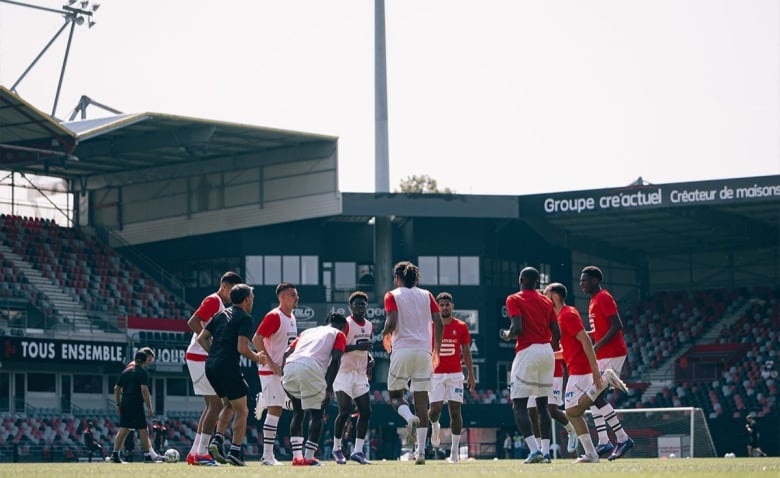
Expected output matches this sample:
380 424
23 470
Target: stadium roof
628 223
129 143
29 137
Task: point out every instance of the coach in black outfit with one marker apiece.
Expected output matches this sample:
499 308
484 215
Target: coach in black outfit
226 337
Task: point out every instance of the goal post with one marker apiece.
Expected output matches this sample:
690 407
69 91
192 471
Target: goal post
659 432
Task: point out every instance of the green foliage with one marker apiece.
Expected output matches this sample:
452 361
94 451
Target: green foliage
422 184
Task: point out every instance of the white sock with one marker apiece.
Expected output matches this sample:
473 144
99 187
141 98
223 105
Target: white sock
195 444
587 444
359 442
336 443
455 450
297 446
533 445
405 412
422 433
269 435
203 446
545 446
570 429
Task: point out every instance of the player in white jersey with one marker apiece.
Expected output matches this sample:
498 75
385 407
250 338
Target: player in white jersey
276 331
196 364
406 336
312 362
352 380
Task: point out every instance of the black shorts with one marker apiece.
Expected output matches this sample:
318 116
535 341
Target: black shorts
227 380
131 415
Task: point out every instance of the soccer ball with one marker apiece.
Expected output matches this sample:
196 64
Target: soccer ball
171 455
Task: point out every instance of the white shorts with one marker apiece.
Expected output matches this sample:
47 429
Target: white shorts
303 379
447 387
413 364
352 383
200 384
615 363
532 372
577 386
273 392
555 397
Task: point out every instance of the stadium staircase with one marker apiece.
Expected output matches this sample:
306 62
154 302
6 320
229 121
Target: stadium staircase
72 314
663 376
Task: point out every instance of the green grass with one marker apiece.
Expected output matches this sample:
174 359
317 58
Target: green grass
676 468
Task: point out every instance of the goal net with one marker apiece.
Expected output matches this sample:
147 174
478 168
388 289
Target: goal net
660 432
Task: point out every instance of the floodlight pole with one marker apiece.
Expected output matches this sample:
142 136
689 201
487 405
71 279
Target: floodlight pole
73 16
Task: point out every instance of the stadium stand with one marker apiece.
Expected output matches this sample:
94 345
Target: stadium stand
99 280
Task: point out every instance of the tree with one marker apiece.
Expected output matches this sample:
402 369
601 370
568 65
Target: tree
422 184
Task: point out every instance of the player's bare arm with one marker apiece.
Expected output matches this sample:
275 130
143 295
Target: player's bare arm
391 323
466 352
514 330
587 347
204 339
246 351
615 326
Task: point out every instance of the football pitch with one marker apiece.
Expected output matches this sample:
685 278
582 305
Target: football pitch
644 467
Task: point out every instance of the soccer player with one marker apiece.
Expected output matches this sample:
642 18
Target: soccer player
611 353
351 383
448 377
226 338
90 442
276 331
585 383
753 446
533 327
311 364
406 336
131 393
196 357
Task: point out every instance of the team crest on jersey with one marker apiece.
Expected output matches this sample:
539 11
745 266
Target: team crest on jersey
453 332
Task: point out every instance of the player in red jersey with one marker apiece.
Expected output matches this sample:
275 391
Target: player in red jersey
351 383
533 327
276 331
196 357
611 350
585 383
407 338
310 366
447 382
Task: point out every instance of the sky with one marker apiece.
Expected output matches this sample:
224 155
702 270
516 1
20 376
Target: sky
486 96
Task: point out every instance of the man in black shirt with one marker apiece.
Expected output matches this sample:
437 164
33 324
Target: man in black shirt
226 337
90 442
131 392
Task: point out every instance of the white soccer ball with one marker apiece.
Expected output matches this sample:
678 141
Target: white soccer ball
171 455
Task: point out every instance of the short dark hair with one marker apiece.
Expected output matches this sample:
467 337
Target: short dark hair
558 288
530 272
239 293
283 286
336 319
140 357
444 296
358 294
231 278
593 271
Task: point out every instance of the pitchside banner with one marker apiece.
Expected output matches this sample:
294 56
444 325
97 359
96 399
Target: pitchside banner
25 349
764 188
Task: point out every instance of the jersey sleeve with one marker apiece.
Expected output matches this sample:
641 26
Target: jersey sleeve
269 325
390 304
513 307
208 308
341 342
